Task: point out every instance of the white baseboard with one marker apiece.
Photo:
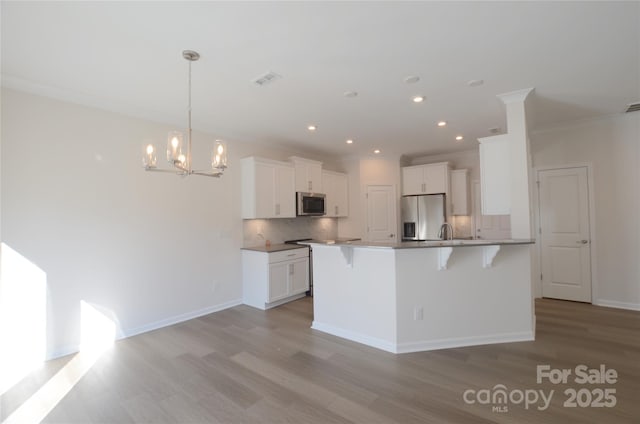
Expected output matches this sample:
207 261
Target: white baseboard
123 334
464 341
180 318
355 337
616 304
63 351
421 346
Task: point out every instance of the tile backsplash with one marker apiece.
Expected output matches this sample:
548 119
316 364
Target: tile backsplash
257 231
462 227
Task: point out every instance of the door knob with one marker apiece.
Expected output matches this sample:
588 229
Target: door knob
582 241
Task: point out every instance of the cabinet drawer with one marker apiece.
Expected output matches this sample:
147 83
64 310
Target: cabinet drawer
287 255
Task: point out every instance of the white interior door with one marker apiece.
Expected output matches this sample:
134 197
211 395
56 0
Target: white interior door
488 227
565 254
381 213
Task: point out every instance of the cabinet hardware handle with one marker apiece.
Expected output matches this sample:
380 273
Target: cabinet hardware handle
582 241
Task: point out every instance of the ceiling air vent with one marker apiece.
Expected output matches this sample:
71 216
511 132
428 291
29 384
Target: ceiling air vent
267 78
633 107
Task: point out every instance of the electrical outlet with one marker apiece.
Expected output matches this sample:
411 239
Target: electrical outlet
418 313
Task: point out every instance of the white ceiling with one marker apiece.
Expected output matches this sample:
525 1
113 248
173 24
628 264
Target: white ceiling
583 58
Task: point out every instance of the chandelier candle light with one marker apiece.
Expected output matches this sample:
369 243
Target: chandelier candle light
177 155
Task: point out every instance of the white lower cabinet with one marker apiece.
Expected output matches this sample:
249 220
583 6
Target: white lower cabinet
272 278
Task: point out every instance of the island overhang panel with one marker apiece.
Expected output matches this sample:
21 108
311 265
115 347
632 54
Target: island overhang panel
416 299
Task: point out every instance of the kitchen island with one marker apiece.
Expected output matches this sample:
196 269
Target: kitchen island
417 296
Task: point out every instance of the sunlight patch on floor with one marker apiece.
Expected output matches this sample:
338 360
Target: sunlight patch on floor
98 335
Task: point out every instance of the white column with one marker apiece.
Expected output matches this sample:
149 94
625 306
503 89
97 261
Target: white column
520 162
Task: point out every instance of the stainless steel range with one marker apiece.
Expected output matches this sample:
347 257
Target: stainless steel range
299 241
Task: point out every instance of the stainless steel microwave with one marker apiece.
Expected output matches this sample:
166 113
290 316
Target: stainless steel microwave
310 204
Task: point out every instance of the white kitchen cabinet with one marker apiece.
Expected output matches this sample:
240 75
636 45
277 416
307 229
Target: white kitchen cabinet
495 174
272 278
425 179
335 186
308 174
460 192
268 189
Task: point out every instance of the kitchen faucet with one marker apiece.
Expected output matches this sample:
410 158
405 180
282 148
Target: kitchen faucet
446 231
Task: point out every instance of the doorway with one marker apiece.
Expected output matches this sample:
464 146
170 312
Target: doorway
381 213
565 233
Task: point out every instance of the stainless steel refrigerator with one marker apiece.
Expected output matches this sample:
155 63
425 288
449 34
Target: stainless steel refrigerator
422 216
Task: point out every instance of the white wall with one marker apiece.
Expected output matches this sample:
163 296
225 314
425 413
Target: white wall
148 248
612 146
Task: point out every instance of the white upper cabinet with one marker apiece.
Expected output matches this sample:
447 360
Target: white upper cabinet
460 192
335 186
308 175
495 174
413 180
268 189
425 179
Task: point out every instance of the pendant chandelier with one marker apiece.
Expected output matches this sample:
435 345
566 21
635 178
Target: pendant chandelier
179 154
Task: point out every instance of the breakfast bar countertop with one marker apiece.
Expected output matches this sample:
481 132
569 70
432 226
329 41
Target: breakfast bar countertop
423 244
274 247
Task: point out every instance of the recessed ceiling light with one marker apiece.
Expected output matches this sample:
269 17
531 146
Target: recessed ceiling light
349 141
442 123
475 83
377 151
350 94
312 128
412 79
418 99
459 137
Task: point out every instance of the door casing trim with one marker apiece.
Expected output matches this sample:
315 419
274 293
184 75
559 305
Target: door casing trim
592 225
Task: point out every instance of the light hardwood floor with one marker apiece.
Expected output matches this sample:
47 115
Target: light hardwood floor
243 365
